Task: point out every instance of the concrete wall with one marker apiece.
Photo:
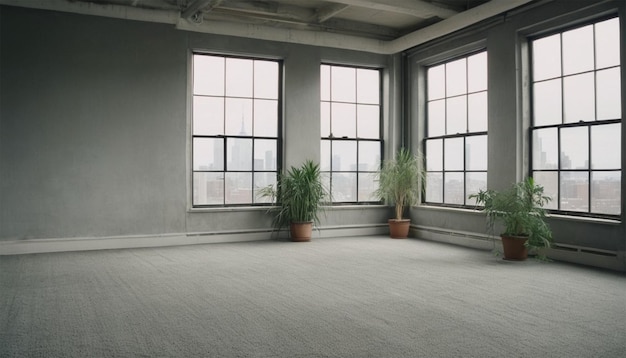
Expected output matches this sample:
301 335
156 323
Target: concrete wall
94 136
509 117
94 128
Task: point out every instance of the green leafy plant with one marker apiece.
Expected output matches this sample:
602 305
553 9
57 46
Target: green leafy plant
520 209
399 180
299 193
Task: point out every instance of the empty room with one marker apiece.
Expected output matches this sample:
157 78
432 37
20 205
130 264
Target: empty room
158 157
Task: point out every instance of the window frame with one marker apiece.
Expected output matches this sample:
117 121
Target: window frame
226 137
335 139
588 124
443 137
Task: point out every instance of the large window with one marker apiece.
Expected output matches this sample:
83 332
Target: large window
576 130
236 116
456 127
350 128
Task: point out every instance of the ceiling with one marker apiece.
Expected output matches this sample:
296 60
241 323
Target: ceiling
381 26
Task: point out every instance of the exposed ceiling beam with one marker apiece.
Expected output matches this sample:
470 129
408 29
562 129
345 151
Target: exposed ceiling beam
306 37
452 24
291 12
105 10
313 38
330 11
417 8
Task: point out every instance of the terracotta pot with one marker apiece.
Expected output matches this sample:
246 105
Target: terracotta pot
301 231
399 229
514 248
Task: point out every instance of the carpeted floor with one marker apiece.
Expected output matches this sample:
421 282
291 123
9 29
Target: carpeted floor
343 297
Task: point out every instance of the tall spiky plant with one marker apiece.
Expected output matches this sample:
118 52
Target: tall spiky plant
399 180
299 193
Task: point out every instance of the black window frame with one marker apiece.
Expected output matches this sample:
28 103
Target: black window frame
357 140
444 137
253 138
581 124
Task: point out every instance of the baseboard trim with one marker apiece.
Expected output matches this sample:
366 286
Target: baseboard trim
456 237
33 246
611 260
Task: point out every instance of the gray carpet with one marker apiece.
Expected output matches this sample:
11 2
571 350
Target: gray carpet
343 297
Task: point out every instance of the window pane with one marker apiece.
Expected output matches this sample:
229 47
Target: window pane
454 188
436 82
208 188
325 83
477 72
434 155
453 149
369 156
434 187
474 182
456 77
547 102
266 79
574 148
343 84
208 154
606 192
239 154
344 187
574 191
265 118
545 149
265 154
208 115
343 120
368 121
578 98
238 77
456 111
367 186
325 155
436 118
477 112
578 50
607 43
344 156
238 116
606 149
547 57
238 188
325 119
208 75
368 86
550 183
608 94
261 180
476 152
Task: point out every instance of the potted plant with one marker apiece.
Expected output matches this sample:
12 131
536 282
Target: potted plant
299 194
399 182
520 209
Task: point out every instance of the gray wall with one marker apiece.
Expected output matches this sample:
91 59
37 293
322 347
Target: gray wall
94 135
505 41
94 128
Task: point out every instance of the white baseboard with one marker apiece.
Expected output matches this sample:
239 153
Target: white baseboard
31 246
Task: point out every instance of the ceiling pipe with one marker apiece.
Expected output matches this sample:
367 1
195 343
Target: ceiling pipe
199 5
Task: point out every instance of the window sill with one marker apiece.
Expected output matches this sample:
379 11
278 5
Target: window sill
228 209
448 209
585 219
